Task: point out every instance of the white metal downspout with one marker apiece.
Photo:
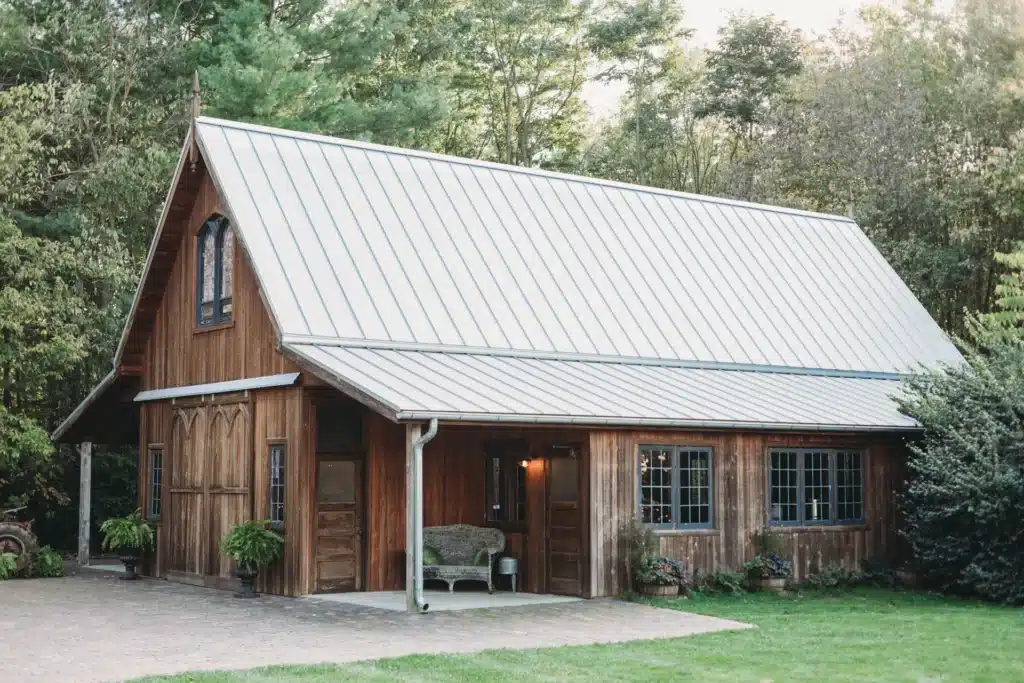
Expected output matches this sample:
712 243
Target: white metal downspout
417 448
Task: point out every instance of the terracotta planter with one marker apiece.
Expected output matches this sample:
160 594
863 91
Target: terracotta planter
659 591
776 584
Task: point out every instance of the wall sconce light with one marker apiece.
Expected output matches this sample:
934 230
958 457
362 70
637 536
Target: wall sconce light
525 462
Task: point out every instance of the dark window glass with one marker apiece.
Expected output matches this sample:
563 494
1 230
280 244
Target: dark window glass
277 483
674 487
214 276
156 477
849 486
506 481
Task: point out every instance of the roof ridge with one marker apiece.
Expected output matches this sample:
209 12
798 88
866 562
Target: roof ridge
449 349
525 170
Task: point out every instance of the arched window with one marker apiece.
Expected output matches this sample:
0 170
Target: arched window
214 251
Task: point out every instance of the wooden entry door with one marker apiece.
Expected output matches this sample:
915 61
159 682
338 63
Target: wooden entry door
565 521
339 524
210 489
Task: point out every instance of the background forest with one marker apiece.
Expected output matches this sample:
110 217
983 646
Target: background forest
912 122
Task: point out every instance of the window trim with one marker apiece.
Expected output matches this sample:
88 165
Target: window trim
833 521
271 444
218 225
676 526
151 449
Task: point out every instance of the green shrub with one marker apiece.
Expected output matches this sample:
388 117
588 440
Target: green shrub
46 563
8 565
964 503
252 544
720 583
768 567
127 533
660 571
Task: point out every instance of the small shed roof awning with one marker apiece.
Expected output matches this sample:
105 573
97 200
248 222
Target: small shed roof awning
106 415
416 385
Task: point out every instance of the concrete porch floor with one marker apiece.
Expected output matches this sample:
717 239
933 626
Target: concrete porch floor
441 600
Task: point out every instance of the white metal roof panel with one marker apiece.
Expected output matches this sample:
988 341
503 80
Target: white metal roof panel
362 242
477 387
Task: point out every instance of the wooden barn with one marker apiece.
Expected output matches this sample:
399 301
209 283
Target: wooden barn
355 342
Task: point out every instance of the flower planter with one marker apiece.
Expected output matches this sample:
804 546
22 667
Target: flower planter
247 577
130 559
659 591
776 584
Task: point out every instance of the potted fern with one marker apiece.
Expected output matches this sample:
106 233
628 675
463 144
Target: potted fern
130 537
251 545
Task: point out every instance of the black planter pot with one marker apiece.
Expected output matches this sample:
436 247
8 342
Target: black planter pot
130 559
247 577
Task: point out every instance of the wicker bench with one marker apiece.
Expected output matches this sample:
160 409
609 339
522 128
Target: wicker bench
459 545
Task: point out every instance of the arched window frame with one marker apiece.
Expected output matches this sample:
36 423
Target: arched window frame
222 308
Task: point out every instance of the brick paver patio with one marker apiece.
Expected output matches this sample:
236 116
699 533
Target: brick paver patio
91 627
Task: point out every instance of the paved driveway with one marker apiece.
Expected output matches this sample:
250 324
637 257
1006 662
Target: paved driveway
91 627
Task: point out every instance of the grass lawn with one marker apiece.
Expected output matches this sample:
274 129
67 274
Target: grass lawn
862 636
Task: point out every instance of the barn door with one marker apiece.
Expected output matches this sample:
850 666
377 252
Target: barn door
185 514
210 489
229 489
565 521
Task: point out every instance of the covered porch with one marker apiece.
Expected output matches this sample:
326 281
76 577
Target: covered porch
528 484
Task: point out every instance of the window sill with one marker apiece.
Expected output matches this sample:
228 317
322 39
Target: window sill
213 328
820 528
687 532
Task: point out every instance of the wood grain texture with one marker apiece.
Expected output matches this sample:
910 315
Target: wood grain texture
740 482
176 354
454 493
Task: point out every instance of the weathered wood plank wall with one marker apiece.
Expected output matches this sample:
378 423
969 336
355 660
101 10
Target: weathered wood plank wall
739 480
454 493
179 354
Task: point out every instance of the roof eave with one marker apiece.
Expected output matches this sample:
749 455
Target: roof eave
621 422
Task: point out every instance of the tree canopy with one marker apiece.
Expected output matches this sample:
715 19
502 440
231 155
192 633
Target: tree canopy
911 122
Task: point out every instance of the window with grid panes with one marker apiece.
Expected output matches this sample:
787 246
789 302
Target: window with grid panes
815 486
156 478
674 486
277 484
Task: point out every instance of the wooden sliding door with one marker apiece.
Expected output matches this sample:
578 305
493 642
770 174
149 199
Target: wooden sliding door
565 527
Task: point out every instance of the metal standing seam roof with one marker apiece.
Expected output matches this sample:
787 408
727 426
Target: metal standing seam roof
389 261
457 386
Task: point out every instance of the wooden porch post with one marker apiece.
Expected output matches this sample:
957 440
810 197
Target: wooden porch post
412 499
84 501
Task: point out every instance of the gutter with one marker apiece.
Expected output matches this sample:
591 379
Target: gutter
417 494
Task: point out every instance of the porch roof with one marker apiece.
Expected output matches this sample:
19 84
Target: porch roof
482 387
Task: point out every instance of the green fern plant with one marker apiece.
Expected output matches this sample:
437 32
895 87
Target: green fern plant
8 565
252 545
131 532
47 563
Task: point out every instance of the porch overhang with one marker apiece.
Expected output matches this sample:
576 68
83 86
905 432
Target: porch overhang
463 387
106 415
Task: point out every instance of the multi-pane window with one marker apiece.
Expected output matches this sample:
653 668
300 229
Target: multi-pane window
506 481
277 484
815 486
674 487
215 250
156 477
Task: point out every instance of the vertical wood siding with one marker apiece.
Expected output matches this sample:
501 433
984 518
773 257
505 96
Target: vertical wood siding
740 482
177 354
230 464
454 493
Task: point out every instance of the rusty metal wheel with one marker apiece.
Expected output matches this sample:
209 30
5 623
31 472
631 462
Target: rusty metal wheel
18 539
